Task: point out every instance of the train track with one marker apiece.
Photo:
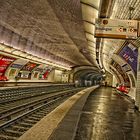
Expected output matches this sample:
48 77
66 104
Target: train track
11 109
26 97
19 119
21 92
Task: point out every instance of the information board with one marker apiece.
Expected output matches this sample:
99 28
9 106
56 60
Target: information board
114 28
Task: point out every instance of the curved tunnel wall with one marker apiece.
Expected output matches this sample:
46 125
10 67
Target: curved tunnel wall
21 46
12 68
87 77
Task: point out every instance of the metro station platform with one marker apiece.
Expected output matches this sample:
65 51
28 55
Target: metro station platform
91 114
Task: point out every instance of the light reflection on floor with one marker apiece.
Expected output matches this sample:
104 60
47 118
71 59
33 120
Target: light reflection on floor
108 116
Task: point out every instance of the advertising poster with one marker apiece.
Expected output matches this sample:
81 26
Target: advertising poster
40 68
26 70
35 75
16 65
12 72
44 74
29 66
130 54
5 61
122 72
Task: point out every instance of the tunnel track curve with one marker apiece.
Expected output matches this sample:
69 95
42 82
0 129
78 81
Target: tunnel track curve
16 126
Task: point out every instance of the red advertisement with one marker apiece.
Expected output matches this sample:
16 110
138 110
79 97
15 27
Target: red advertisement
45 73
5 61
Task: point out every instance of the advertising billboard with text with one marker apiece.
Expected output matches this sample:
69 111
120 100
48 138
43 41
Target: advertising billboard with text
130 54
5 61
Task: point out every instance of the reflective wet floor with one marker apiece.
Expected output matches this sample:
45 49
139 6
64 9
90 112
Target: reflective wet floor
108 116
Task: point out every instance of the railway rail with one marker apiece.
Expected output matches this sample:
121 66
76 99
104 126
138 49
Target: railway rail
18 119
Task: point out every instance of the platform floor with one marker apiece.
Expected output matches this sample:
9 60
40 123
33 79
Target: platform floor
105 115
108 116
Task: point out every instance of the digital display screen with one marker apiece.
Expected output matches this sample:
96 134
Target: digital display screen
130 54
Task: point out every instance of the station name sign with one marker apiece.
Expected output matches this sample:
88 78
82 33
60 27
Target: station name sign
117 29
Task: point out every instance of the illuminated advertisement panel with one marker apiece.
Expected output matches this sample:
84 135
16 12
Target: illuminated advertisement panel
130 54
114 28
5 61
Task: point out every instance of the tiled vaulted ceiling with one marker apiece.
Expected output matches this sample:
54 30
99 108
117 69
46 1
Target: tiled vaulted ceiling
63 30
55 26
